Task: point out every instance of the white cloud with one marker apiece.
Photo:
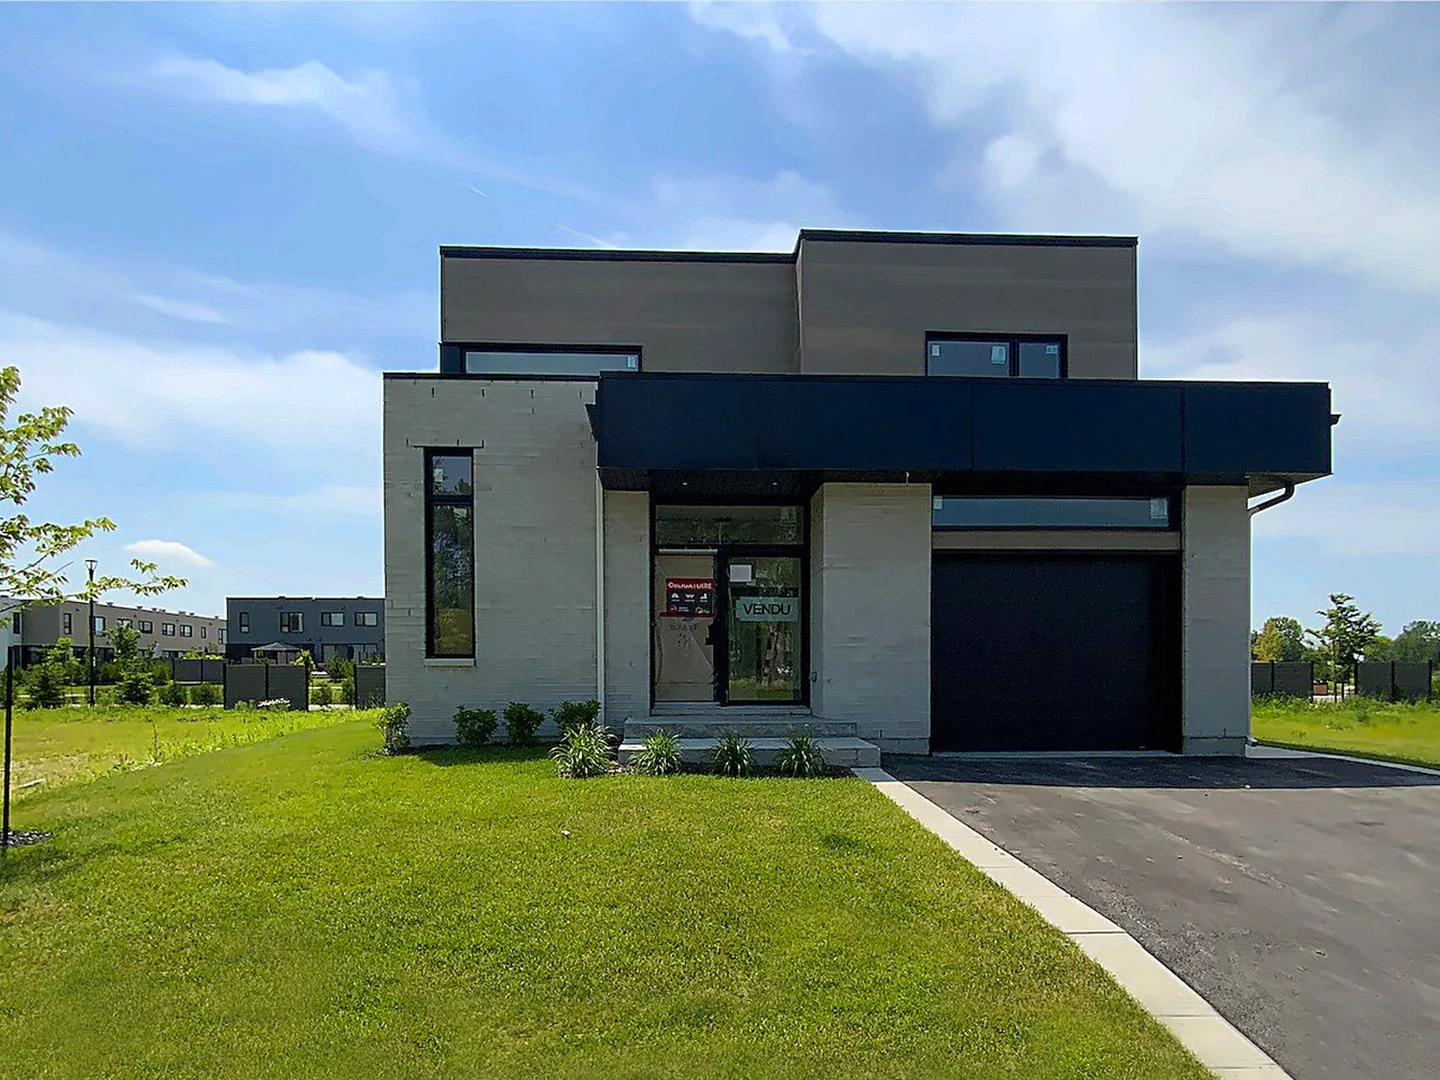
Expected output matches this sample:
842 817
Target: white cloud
737 213
156 396
1358 519
350 502
189 310
1206 122
755 22
162 551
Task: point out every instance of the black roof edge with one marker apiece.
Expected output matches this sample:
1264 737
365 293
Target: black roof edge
848 236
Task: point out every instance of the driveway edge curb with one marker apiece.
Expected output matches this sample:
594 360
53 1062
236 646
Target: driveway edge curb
1218 1044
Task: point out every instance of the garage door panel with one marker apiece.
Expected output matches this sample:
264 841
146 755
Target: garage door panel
1054 652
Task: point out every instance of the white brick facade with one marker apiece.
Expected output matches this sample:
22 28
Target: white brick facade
1215 591
870 611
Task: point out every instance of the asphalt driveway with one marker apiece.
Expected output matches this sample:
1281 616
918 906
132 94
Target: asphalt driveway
1300 897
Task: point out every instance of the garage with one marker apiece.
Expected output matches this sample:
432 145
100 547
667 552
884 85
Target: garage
1052 651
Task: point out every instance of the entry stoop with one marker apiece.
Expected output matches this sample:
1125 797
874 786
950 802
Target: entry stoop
699 735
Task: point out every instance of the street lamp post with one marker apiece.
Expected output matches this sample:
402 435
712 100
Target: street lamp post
90 566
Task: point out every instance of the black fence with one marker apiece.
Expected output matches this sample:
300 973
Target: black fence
1395 680
1293 678
267 682
369 686
192 670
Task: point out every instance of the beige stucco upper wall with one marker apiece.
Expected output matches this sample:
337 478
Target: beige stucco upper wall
865 307
685 316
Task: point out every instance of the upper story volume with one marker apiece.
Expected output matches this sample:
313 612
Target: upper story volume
841 303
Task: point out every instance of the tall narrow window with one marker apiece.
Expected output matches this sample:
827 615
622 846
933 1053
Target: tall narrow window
450 527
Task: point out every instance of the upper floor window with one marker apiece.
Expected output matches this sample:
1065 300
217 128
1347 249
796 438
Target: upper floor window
1058 513
221 632
244 622
147 626
167 629
15 623
66 623
124 622
995 356
530 360
203 632
292 622
186 630
367 618
99 624
332 618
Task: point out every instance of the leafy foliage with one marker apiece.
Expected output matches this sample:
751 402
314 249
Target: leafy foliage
125 644
321 694
575 713
1346 634
29 550
173 694
1280 639
585 750
802 756
521 723
205 693
474 727
1418 642
733 756
660 754
46 685
394 725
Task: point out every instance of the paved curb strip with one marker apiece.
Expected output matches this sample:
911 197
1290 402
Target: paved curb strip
1265 750
1204 1032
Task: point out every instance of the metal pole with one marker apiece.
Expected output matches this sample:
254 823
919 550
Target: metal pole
90 565
9 704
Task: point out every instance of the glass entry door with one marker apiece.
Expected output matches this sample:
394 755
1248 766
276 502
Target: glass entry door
683 667
764 629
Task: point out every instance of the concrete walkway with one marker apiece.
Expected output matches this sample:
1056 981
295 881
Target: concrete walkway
1203 1031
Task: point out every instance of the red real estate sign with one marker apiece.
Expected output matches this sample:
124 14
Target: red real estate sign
690 596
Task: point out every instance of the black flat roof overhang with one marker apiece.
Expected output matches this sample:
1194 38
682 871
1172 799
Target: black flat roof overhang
653 426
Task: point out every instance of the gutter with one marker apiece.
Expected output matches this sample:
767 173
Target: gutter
1284 496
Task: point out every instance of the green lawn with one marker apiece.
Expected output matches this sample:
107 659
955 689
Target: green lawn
302 908
1405 733
65 745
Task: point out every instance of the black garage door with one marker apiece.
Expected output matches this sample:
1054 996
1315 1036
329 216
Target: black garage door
1055 652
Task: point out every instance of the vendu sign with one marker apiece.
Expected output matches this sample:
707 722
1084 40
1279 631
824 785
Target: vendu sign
767 609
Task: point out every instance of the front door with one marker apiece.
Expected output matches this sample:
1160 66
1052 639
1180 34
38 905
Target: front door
764 629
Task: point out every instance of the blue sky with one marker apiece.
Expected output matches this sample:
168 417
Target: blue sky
217 224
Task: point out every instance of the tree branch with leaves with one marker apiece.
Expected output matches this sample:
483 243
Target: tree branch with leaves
32 566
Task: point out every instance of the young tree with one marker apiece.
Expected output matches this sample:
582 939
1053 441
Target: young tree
1418 642
1346 634
125 644
1281 638
32 570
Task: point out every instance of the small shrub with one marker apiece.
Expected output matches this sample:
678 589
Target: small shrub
733 756
205 693
46 686
135 688
801 756
243 705
474 727
170 694
575 713
584 751
394 726
347 690
660 755
321 694
521 723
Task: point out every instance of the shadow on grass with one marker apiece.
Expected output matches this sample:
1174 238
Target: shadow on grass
1157 772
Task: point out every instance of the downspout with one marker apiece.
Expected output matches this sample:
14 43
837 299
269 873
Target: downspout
600 595
1284 496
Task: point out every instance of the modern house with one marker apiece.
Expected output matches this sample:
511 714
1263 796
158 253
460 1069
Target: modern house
162 632
906 487
347 627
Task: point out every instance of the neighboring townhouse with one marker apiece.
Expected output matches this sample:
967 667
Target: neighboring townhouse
328 627
162 632
908 485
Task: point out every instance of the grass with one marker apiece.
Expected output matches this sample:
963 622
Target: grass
61 746
1405 733
301 907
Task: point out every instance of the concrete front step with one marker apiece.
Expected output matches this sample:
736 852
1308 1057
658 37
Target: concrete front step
845 752
711 727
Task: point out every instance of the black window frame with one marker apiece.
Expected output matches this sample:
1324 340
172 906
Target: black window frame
244 619
146 626
100 624
167 629
1012 341
203 632
368 618
187 630
327 618
67 623
292 622
452 358
432 500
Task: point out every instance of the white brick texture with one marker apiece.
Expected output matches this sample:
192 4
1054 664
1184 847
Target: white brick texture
1215 590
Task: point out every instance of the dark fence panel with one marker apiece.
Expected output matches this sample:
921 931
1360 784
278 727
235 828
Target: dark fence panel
369 686
1373 678
1293 678
265 682
1394 681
